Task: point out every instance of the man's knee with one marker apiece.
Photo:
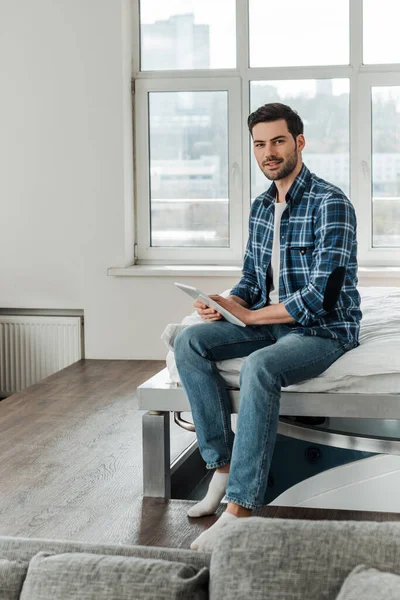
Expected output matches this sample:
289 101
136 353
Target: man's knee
257 369
181 342
186 341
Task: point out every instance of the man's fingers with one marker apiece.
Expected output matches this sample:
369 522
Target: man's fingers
207 311
215 317
198 304
209 314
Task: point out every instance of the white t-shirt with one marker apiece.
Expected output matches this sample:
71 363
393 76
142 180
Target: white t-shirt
276 254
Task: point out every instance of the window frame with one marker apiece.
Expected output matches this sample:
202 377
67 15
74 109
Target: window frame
189 254
379 255
361 77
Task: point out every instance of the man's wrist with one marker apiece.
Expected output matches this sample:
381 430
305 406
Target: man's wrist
252 317
271 314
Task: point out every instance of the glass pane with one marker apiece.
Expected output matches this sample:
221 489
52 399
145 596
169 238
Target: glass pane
187 34
323 105
189 168
380 31
289 33
386 166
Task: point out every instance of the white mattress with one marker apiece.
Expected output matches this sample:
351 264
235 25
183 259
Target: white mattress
372 368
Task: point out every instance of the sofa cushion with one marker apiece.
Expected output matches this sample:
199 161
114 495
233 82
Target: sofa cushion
370 584
12 575
97 577
24 549
283 559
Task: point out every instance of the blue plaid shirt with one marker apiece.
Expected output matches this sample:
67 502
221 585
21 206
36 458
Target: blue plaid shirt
318 259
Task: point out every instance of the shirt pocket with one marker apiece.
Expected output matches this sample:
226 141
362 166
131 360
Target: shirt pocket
301 255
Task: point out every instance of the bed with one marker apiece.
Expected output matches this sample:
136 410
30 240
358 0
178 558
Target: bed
359 395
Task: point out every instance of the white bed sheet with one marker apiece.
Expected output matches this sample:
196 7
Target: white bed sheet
372 368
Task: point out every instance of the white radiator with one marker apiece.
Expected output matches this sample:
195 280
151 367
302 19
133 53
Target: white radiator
33 347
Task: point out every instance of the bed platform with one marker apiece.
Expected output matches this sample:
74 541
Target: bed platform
159 396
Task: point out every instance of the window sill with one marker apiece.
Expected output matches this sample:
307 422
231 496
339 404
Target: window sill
174 270
387 276
390 274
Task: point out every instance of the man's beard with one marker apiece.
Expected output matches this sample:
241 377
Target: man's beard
288 167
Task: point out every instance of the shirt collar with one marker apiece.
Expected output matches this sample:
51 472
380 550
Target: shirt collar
296 190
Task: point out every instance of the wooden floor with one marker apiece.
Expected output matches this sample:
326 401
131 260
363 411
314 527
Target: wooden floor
71 463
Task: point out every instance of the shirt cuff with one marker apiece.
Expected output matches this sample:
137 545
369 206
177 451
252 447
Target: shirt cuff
248 295
297 309
243 293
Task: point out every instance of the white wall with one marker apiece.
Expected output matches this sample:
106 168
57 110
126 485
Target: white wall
62 183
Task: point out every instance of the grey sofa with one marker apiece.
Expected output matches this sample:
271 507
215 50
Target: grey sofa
255 558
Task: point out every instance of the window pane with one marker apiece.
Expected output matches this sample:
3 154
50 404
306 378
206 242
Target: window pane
189 168
381 30
289 33
386 166
323 106
187 34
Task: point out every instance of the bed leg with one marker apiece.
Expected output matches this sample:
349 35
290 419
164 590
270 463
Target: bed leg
156 454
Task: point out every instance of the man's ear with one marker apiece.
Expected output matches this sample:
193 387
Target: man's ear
301 142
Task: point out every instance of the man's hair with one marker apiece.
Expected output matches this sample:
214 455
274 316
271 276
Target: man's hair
273 112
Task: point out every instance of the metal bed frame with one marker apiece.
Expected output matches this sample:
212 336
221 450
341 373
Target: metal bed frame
159 396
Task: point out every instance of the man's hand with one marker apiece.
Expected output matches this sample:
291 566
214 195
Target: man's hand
275 313
210 314
232 304
207 313
242 313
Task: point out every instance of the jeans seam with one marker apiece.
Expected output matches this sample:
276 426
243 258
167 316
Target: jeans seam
222 412
265 439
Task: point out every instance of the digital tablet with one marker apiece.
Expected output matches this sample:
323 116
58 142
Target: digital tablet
199 295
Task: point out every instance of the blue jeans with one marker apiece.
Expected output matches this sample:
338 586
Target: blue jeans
275 357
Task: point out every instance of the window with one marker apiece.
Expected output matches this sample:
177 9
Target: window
378 185
380 30
189 34
201 66
188 153
288 33
189 199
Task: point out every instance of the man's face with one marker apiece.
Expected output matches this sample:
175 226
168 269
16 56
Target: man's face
276 152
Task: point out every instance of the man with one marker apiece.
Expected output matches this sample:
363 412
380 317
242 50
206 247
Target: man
299 300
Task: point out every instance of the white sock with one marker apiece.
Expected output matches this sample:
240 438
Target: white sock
206 540
216 491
